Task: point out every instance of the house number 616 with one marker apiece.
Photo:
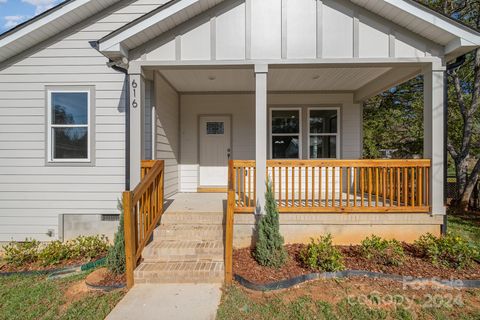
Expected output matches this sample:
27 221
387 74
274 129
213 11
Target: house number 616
134 86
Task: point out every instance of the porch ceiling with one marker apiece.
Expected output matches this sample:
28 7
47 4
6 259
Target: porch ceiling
363 81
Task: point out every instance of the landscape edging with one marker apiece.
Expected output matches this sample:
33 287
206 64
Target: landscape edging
288 283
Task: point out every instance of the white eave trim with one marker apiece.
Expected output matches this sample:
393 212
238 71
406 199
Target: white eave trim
117 39
42 22
437 20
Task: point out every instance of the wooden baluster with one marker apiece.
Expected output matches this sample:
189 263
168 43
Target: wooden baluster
286 187
341 187
280 184
326 187
369 187
391 185
300 187
320 186
273 183
313 186
384 187
377 192
427 186
420 186
362 185
306 187
349 181
399 184
354 186
413 187
333 187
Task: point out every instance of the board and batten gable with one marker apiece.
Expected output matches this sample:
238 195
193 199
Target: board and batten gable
288 29
33 194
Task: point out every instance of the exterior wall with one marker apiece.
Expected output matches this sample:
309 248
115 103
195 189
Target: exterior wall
32 193
242 109
167 131
290 29
346 229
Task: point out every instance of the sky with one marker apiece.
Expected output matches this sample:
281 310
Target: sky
13 12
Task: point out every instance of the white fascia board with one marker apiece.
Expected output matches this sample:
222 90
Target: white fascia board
43 21
116 51
457 44
437 20
142 25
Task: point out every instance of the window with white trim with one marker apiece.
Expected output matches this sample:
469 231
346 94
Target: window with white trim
285 133
323 133
69 125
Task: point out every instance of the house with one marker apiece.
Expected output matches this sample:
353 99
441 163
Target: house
90 89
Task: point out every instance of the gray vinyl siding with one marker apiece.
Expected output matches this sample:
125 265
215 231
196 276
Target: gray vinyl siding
33 195
167 132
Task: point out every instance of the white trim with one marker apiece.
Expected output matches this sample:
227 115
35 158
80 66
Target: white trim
42 22
145 24
271 134
436 19
50 158
337 134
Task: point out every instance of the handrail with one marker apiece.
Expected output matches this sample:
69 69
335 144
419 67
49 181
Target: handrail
143 208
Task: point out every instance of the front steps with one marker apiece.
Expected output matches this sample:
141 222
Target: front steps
187 248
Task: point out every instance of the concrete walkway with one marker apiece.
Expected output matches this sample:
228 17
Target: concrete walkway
169 301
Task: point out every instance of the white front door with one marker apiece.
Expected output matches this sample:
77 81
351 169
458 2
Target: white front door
215 149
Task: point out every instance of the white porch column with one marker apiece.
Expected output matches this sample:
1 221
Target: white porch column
261 72
136 128
433 144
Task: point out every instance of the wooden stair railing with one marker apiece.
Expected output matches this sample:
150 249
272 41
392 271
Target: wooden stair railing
143 208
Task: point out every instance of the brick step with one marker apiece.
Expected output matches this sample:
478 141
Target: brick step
201 271
184 250
188 231
189 218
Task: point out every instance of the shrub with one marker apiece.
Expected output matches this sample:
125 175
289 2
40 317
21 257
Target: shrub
88 247
18 253
54 253
450 250
322 255
116 253
383 251
269 250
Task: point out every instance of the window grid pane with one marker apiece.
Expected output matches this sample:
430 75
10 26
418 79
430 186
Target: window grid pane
69 125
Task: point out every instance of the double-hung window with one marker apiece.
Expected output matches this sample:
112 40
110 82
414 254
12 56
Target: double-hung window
69 127
285 133
323 133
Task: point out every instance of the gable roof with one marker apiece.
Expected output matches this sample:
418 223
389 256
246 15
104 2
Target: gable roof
46 25
455 37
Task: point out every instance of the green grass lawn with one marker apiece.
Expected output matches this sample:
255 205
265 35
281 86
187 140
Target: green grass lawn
35 297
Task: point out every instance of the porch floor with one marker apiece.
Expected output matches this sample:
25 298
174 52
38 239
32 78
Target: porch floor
197 203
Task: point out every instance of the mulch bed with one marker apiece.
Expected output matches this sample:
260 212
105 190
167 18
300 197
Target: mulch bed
245 266
36 266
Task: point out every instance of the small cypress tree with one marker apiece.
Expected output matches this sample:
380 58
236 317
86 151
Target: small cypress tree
116 254
269 250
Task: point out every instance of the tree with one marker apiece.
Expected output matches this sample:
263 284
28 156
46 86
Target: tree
464 92
116 261
394 120
269 250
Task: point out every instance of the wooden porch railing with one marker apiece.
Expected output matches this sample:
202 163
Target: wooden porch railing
350 186
338 185
143 208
